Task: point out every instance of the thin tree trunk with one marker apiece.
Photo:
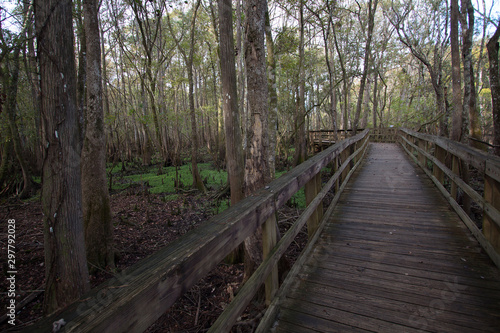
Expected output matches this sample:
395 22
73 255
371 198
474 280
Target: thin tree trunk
493 50
257 168
98 226
273 96
456 128
375 99
66 273
197 181
14 131
235 158
471 116
366 63
344 79
300 120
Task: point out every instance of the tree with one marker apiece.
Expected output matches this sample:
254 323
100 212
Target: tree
232 120
66 273
10 81
273 95
256 166
98 226
456 75
188 60
235 159
300 111
12 87
410 33
372 8
471 116
493 49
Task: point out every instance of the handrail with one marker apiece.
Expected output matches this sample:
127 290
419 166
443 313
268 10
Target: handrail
442 152
245 295
384 134
133 300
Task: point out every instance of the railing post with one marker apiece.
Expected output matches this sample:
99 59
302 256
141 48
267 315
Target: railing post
311 190
492 195
336 165
440 155
455 167
344 155
319 209
269 240
421 157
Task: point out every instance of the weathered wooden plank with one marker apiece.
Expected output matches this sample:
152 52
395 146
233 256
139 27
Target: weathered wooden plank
389 264
399 301
299 321
269 317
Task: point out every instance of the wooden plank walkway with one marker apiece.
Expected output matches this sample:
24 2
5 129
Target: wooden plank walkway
394 257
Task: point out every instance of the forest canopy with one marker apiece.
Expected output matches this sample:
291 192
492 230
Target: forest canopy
400 62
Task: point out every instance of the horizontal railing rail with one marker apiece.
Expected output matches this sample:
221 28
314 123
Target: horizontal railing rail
447 163
384 134
134 299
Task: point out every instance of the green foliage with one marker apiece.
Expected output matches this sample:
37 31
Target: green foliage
165 181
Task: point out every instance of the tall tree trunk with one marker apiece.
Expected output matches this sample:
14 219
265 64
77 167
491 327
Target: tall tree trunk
98 226
235 158
35 87
366 63
240 59
232 118
331 78
300 115
344 79
493 50
273 96
257 168
456 128
197 181
11 104
375 99
471 115
66 273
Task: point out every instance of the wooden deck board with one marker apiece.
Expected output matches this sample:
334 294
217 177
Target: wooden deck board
394 257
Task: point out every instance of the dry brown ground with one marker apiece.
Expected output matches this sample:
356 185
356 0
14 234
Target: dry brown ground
143 224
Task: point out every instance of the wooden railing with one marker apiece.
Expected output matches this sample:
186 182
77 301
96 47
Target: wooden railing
319 139
449 163
133 300
386 134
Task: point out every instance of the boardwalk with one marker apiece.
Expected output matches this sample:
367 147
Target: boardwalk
393 258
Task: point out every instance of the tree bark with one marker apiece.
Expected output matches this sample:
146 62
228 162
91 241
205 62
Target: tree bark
235 159
300 112
366 63
197 181
98 226
456 128
256 168
232 118
273 96
471 115
12 86
66 273
344 80
493 50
